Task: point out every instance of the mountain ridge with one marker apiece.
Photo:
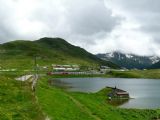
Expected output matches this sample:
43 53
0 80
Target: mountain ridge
51 50
155 66
129 61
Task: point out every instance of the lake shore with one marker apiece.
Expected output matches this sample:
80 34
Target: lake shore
148 74
60 104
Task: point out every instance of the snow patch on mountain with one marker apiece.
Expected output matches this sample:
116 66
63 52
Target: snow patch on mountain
129 60
154 59
109 55
129 56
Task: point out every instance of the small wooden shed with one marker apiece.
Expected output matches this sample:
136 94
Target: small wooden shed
118 93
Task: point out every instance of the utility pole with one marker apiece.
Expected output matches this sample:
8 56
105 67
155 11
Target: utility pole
1 52
35 64
35 73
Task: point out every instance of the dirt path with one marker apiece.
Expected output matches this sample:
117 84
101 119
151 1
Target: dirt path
33 79
83 108
34 82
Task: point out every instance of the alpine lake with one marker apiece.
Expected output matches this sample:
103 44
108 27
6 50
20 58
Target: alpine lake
144 93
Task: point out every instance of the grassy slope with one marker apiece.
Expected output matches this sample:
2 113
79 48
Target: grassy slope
57 104
61 105
152 74
16 101
49 50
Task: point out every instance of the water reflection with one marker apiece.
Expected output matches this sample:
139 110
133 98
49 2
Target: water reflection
59 83
117 102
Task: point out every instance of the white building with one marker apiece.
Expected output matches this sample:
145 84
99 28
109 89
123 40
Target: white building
65 67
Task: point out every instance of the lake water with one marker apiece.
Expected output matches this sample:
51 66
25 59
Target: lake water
146 92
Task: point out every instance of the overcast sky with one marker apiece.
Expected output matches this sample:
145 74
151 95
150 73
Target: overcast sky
99 26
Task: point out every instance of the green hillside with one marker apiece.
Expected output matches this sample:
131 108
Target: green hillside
16 99
48 51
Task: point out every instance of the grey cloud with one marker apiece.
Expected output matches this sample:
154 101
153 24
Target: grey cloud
146 13
92 18
87 23
140 5
6 34
7 27
79 21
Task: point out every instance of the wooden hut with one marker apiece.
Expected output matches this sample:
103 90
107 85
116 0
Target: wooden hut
118 93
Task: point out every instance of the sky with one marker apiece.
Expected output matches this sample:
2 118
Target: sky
99 26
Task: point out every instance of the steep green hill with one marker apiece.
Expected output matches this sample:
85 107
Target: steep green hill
48 51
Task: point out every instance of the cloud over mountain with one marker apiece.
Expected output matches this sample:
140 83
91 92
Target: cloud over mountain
96 25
